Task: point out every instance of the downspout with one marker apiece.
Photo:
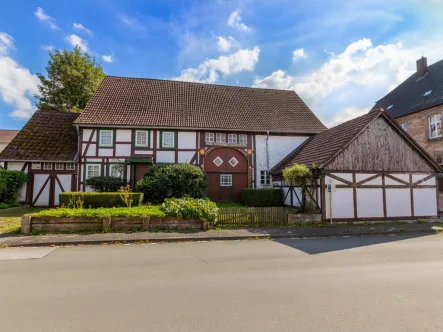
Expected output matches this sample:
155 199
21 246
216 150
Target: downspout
267 155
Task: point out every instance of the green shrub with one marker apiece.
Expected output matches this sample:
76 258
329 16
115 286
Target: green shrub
105 184
262 197
138 211
10 183
96 199
9 205
190 208
163 181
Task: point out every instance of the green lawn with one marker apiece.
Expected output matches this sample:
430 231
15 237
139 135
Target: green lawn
10 218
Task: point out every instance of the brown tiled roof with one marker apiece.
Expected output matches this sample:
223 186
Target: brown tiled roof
321 147
6 135
162 103
47 136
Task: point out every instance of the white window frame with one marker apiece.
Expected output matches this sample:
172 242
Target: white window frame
47 166
69 168
92 165
225 180
106 145
111 166
209 137
232 138
168 146
36 166
220 138
144 145
243 139
265 178
433 121
58 166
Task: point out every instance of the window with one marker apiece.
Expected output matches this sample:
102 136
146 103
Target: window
70 167
47 166
233 162
435 126
427 93
220 138
389 107
106 138
59 166
232 138
36 166
209 137
218 161
404 125
265 179
168 139
142 138
243 139
92 171
226 180
116 170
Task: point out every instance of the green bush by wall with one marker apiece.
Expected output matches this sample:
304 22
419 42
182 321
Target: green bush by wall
10 183
262 197
97 200
105 184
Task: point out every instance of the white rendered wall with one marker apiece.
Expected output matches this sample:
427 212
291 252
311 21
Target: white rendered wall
105 152
123 150
342 203
123 135
187 140
425 202
39 181
278 147
398 202
185 156
369 203
165 156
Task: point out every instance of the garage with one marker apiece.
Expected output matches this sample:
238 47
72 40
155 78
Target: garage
370 169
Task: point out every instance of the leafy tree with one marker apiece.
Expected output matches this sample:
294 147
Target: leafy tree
72 78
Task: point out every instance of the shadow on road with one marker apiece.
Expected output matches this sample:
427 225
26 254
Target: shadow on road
320 246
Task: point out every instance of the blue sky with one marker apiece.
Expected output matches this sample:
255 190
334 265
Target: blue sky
339 56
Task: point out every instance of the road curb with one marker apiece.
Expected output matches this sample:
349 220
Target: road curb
210 238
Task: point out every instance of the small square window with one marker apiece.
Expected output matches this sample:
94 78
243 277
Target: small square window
209 137
243 139
220 138
232 138
47 166
70 167
168 139
116 170
59 166
233 162
92 171
142 138
226 180
265 179
218 161
36 166
106 138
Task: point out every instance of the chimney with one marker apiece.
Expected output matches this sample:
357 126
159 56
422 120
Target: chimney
422 67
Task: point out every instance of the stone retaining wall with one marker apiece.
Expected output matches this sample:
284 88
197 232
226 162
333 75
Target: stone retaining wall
73 224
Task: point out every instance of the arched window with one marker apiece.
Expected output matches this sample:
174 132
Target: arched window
435 126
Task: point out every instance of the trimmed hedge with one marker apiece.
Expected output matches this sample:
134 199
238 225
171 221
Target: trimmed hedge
190 208
137 211
97 200
163 181
262 197
10 183
105 184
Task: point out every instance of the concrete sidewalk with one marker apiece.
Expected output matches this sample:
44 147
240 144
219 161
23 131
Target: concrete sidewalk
231 234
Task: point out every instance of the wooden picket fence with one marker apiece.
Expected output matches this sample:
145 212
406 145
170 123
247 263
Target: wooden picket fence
252 216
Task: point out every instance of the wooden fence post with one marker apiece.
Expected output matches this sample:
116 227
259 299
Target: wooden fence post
26 224
145 223
106 223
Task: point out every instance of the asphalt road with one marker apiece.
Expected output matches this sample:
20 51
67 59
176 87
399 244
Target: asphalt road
344 284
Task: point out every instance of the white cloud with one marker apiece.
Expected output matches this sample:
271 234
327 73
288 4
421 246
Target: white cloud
17 84
210 70
75 40
347 114
80 27
133 23
108 58
42 16
351 81
225 44
47 47
299 54
235 21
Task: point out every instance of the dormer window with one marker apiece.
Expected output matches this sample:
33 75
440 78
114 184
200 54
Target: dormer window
427 93
389 107
435 126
